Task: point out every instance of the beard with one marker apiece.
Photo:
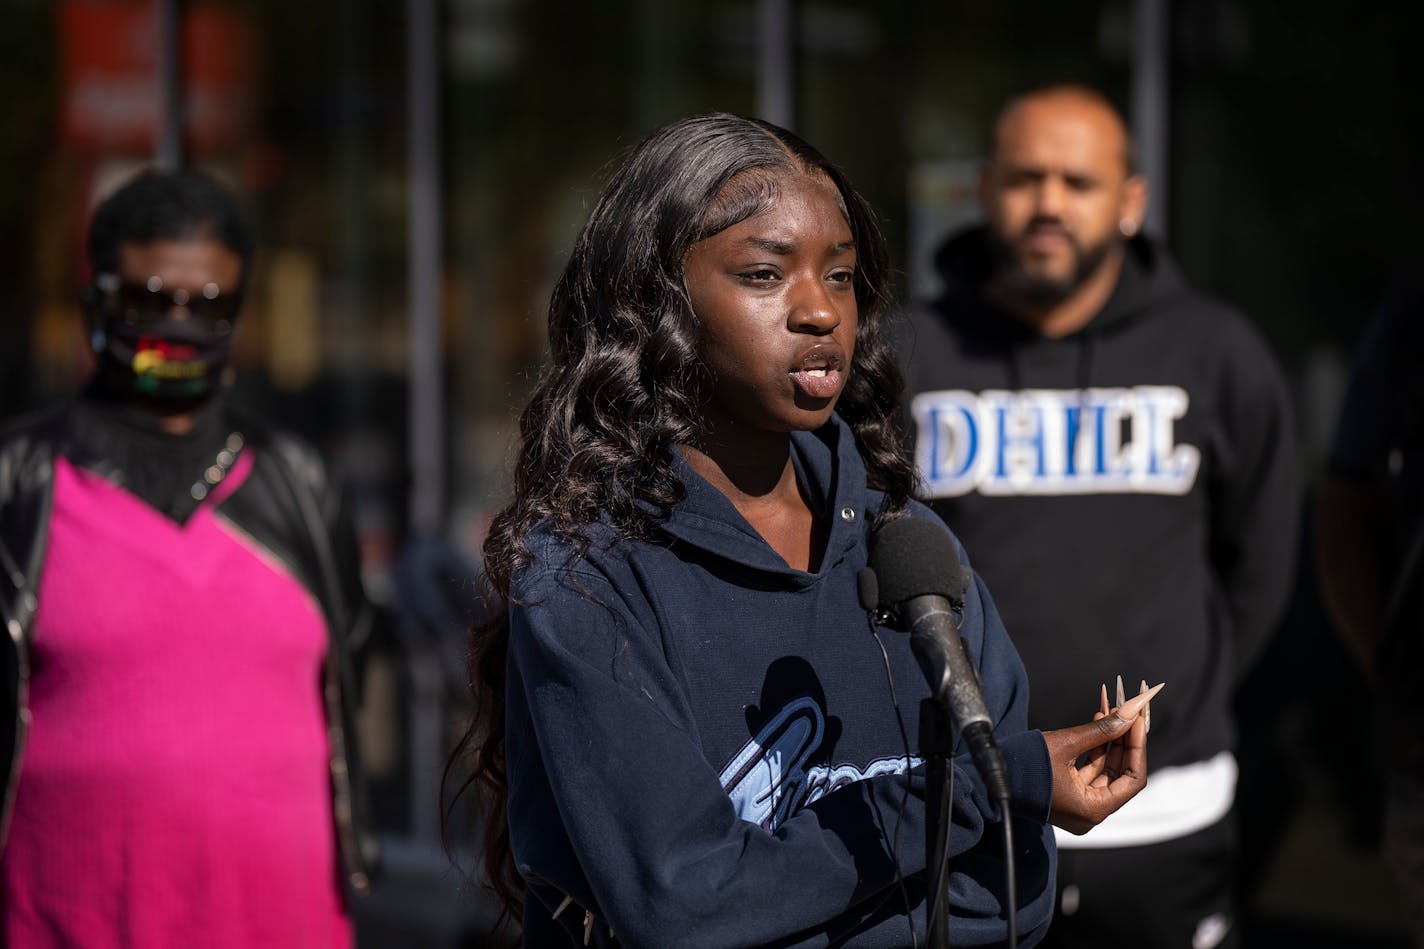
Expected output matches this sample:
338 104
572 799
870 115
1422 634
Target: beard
1040 290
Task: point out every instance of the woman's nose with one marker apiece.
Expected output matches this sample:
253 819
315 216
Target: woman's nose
812 309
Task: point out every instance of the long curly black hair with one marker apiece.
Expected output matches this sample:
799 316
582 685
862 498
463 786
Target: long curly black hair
624 384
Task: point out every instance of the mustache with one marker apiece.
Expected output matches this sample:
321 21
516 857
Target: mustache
1047 225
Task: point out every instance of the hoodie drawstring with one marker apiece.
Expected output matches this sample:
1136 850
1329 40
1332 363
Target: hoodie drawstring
1087 342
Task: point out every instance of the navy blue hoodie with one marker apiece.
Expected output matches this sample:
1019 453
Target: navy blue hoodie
1130 491
703 747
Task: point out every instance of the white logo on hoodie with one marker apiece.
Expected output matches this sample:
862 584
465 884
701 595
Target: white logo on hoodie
770 779
1053 441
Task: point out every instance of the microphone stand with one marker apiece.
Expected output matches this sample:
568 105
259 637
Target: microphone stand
914 576
936 748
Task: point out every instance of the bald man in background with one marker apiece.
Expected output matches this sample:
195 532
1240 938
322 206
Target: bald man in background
1117 451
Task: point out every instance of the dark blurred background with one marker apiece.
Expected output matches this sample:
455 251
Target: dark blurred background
419 170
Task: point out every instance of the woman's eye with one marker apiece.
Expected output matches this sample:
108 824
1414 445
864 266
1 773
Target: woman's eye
759 276
842 276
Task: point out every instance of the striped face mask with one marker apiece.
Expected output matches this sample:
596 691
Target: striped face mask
170 359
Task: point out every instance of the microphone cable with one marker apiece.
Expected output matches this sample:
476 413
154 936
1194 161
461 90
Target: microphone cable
1011 888
905 798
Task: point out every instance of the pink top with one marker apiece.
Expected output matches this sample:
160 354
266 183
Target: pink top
174 786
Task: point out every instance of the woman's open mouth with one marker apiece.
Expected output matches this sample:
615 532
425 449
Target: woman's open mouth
819 373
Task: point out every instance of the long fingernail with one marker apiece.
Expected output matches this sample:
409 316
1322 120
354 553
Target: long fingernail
1129 710
1121 695
1146 711
1106 707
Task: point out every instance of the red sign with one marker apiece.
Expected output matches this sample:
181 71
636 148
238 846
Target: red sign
112 97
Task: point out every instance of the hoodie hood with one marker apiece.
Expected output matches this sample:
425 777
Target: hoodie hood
963 262
830 470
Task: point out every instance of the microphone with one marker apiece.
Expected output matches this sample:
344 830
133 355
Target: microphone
915 576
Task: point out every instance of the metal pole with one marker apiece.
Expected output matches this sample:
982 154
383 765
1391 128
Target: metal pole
1151 100
425 416
775 76
168 147
353 174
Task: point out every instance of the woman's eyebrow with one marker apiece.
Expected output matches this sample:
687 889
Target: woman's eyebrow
784 248
771 245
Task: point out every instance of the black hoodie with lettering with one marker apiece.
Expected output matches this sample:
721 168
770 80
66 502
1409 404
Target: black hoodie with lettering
1130 491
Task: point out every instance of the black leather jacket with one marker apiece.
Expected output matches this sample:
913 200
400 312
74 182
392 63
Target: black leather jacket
287 505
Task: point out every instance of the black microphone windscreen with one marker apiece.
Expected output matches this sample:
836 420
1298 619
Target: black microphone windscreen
913 557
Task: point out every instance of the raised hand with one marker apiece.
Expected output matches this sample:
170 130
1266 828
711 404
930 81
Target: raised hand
1102 764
